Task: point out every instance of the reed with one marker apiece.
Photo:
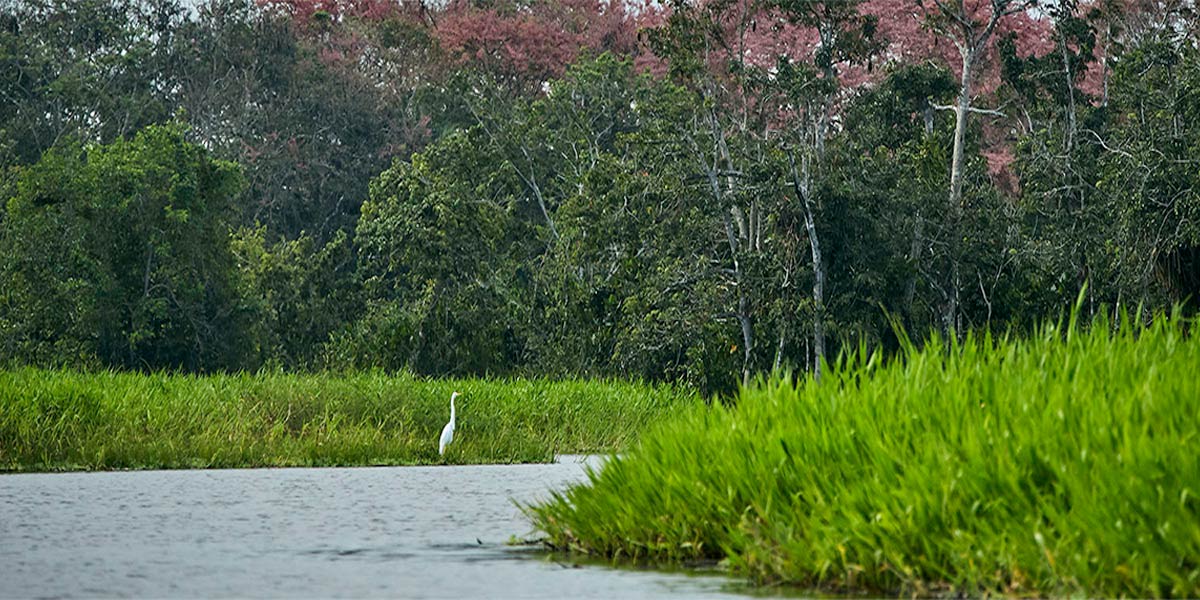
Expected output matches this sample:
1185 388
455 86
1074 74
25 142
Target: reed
65 420
1065 463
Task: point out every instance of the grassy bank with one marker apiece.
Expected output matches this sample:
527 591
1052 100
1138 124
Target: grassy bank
1063 464
59 420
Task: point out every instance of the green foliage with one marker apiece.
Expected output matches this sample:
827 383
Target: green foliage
606 223
310 124
1056 465
633 283
119 254
554 235
81 68
1152 185
65 420
1110 192
610 223
295 295
435 244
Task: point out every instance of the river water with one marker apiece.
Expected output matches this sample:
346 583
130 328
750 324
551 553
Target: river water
411 532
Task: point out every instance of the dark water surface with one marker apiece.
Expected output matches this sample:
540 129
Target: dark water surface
411 532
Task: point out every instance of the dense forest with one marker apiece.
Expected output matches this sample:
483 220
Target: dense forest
692 191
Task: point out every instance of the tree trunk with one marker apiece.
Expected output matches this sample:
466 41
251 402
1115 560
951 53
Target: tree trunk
779 346
801 180
972 42
733 232
1069 142
914 258
955 206
918 239
747 337
818 291
743 311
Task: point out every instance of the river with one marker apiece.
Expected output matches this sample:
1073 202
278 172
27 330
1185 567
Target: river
411 532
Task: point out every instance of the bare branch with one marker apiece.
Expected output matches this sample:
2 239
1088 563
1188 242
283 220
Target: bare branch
1100 141
972 109
957 14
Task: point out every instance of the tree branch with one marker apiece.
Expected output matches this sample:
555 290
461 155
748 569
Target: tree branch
980 111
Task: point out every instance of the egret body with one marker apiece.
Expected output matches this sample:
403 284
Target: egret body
448 430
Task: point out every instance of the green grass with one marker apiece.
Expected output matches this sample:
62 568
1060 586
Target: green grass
1062 464
64 420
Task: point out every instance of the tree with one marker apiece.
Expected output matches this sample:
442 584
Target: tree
529 42
970 26
1057 160
892 166
1148 180
844 35
434 250
94 70
642 244
296 295
310 117
119 254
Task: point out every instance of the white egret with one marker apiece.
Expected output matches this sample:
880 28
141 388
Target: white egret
448 430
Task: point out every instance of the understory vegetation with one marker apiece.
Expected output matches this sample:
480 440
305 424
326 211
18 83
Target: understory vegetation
63 420
1060 464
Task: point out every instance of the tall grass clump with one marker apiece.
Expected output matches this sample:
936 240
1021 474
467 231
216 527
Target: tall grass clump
1062 464
58 420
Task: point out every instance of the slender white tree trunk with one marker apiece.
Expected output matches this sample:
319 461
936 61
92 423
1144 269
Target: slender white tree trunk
954 211
801 183
818 291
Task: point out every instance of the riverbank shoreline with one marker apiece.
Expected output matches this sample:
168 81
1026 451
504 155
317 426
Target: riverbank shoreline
57 420
592 460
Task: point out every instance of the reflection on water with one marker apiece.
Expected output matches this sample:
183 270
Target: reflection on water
413 532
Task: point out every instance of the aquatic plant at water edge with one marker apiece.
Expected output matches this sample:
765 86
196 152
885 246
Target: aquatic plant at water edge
56 420
1064 463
